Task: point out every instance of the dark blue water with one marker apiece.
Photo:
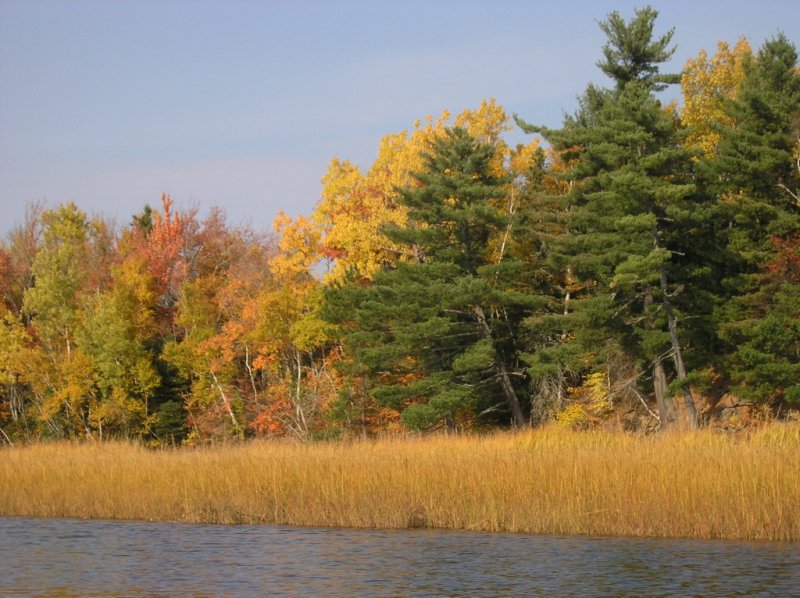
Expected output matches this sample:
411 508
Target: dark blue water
57 557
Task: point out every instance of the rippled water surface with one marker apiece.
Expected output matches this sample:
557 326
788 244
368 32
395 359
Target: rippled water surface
57 557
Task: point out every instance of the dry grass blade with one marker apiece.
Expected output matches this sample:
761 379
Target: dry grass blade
700 485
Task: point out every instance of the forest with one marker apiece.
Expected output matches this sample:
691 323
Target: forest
637 268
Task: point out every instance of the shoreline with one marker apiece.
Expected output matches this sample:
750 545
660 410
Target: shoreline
296 526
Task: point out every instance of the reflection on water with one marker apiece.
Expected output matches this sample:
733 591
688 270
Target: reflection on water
56 557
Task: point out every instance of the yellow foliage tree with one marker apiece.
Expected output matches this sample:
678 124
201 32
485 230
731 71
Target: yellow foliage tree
13 340
588 403
356 206
706 84
289 337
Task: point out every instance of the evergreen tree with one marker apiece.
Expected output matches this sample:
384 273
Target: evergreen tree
756 178
436 336
766 363
754 171
631 53
631 200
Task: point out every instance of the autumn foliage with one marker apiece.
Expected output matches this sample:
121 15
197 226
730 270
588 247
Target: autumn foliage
616 271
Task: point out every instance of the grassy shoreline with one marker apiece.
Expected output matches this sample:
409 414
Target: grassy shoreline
704 485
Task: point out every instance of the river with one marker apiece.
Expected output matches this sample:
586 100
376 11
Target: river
62 557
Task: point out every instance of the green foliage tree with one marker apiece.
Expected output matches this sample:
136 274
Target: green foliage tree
436 337
754 170
58 371
60 274
766 362
632 54
631 200
756 178
116 328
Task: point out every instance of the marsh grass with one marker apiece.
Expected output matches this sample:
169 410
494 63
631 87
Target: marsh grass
703 485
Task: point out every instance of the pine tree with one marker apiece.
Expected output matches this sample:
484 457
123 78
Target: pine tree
631 199
756 178
436 336
631 54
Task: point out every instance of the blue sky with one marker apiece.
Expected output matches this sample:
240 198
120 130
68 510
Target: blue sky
242 104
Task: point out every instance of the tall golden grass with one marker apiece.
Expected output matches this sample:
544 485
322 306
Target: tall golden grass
694 485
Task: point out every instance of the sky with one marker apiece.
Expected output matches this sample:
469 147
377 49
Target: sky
242 104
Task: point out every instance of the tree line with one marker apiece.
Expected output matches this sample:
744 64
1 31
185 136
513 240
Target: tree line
642 257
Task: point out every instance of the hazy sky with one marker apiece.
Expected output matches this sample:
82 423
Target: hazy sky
242 104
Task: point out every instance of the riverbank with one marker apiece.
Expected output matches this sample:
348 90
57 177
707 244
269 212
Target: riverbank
702 485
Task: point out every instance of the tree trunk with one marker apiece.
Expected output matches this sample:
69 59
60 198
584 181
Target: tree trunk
677 354
250 372
568 294
502 372
667 407
226 403
300 416
450 423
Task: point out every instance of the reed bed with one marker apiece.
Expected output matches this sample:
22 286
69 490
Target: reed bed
691 485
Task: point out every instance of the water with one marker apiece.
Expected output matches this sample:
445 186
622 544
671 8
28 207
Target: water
58 557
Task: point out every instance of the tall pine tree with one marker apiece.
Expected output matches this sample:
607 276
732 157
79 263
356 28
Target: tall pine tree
630 201
437 336
755 174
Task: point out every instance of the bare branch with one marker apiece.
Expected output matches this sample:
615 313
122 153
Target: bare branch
8 440
641 398
795 196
